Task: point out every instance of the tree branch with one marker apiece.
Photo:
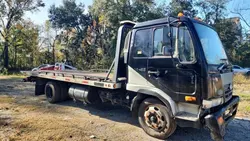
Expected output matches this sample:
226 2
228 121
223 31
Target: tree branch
244 9
2 34
3 24
8 3
242 18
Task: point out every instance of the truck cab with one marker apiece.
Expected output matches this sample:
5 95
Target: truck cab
182 63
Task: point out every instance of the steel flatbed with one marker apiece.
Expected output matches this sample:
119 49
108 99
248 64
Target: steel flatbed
96 79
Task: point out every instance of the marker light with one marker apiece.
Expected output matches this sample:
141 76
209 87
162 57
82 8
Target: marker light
180 14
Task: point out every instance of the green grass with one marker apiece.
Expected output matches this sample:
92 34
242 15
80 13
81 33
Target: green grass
245 97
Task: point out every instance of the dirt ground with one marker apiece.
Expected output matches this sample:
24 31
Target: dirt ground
24 116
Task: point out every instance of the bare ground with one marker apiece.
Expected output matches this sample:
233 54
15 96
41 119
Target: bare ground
24 116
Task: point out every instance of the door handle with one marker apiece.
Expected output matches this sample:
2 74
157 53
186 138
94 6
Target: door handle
180 66
157 73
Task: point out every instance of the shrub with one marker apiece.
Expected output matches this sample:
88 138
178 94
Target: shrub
4 71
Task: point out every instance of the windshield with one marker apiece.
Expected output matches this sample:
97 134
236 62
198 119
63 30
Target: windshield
211 44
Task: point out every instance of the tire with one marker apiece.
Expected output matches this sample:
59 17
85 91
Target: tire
163 114
52 92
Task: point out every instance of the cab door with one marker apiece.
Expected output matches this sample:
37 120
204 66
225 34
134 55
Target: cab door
162 72
174 74
187 68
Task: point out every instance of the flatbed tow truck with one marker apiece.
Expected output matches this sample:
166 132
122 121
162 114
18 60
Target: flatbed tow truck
170 71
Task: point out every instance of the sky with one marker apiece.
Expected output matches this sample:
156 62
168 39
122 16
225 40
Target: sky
41 16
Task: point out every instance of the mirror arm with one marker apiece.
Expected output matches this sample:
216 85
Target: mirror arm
171 43
163 50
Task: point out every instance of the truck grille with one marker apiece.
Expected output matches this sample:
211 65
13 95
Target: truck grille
227 92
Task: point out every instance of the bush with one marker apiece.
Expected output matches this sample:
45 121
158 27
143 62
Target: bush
4 71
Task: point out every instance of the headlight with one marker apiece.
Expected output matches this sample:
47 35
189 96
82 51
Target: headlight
220 92
215 87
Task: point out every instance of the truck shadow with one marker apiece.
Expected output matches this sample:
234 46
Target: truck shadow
237 130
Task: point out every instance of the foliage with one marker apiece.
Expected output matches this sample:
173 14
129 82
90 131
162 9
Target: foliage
70 18
106 16
214 13
88 38
185 6
4 71
212 10
11 11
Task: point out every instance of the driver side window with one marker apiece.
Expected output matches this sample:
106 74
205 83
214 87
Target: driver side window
185 45
158 41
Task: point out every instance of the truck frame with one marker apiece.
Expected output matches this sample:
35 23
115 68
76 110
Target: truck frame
163 72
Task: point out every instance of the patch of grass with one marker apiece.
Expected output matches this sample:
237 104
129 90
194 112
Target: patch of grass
248 108
244 105
241 79
242 89
11 76
6 99
245 97
243 109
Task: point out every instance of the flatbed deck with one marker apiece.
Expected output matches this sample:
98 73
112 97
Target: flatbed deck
97 79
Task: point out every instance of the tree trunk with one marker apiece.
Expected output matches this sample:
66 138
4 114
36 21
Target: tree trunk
6 54
15 57
53 53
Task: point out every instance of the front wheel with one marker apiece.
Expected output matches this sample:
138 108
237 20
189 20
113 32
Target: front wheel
156 119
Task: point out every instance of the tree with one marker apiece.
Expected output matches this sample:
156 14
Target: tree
185 6
51 35
23 48
70 18
213 10
12 11
107 15
242 10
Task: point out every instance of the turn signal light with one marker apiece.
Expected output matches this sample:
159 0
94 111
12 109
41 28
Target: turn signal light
190 98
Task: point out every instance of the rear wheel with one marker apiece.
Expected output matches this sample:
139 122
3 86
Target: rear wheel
52 92
156 119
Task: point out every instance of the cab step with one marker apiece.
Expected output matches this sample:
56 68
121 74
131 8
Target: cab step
185 119
187 116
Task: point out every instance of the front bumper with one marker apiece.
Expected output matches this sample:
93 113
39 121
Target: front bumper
217 121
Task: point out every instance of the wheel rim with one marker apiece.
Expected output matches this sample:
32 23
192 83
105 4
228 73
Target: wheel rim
154 118
49 92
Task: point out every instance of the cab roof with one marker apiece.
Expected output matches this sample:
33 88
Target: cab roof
167 20
154 22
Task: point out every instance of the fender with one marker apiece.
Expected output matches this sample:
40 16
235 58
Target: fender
152 92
